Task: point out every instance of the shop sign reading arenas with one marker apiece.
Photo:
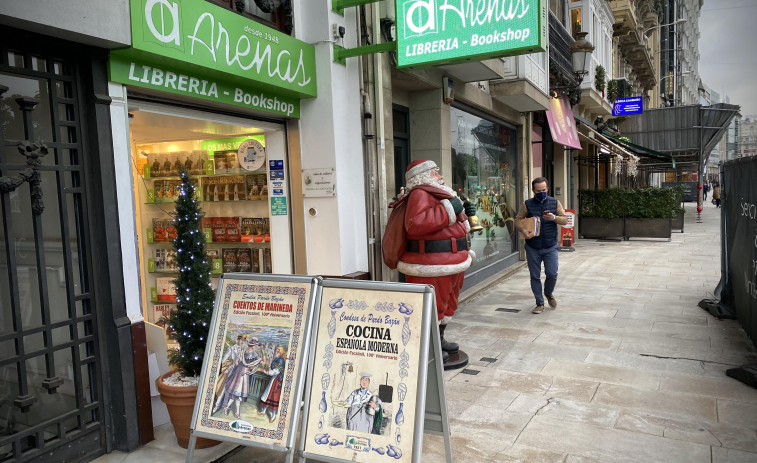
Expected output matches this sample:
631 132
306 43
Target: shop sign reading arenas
200 50
433 32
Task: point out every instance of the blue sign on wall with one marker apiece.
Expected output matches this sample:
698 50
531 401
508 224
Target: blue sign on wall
627 106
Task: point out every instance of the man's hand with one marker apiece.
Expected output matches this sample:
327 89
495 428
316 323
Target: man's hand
457 205
548 216
528 234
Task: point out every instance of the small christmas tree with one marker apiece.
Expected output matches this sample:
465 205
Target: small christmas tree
194 295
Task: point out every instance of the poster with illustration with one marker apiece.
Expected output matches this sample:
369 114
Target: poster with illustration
252 378
366 369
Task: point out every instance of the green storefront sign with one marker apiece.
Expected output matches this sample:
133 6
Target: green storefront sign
198 49
433 32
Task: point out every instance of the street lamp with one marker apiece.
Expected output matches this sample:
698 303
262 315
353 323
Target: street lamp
580 52
677 21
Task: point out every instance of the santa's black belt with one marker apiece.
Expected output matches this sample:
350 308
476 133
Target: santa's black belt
427 246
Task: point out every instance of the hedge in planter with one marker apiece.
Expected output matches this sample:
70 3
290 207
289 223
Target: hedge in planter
644 212
602 212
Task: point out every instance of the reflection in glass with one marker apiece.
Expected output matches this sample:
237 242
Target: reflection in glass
484 159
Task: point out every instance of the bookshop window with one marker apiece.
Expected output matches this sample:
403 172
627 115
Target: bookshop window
484 163
269 12
229 165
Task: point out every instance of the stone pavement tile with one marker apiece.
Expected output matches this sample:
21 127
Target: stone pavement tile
603 374
465 449
687 349
566 410
737 413
660 403
494 332
572 389
507 381
478 434
608 445
721 330
662 365
661 316
721 388
531 357
702 432
594 342
520 454
723 455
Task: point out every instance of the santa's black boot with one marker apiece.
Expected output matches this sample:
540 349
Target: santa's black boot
445 357
449 347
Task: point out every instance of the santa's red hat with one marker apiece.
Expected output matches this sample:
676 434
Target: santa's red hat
418 167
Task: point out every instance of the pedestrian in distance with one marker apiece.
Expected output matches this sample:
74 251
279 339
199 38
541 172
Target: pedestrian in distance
541 247
716 194
705 189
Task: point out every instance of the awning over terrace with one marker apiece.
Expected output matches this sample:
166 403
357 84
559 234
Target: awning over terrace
687 133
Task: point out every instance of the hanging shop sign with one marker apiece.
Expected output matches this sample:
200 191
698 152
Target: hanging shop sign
201 50
197 83
627 106
443 32
562 123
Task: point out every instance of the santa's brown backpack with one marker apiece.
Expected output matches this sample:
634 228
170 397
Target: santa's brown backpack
395 238
394 242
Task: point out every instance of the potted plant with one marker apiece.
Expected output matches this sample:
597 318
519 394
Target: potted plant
190 320
612 90
599 79
601 213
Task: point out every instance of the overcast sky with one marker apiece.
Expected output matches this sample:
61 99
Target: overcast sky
728 50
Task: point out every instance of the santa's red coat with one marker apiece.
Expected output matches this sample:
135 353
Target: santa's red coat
429 218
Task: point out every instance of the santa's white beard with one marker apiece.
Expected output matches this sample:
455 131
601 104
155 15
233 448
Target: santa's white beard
425 178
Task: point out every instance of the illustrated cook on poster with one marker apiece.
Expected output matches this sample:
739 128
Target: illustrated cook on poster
249 387
365 375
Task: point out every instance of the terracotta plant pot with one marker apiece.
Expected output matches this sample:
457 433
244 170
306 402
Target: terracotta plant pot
180 401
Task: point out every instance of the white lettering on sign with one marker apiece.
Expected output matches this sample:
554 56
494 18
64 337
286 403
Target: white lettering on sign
431 47
496 37
211 36
466 12
262 101
173 11
205 34
181 82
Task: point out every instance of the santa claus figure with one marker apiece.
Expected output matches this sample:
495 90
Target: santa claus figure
437 232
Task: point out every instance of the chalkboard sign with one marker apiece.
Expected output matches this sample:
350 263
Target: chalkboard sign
689 189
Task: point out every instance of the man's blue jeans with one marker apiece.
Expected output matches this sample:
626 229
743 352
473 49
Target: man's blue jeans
535 257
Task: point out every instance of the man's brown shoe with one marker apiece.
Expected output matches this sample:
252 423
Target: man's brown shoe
538 309
552 302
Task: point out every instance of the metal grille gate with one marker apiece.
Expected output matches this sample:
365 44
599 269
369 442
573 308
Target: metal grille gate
50 389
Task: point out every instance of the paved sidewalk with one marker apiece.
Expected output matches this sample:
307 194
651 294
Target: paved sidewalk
627 369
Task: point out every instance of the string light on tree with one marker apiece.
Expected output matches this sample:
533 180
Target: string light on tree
193 284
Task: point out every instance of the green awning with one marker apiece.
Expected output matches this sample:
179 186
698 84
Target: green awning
641 150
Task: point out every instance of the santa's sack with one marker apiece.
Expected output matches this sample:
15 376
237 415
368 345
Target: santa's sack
394 243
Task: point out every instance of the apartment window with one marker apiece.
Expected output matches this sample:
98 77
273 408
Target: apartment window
557 7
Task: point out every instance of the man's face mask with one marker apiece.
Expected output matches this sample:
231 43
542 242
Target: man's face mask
541 196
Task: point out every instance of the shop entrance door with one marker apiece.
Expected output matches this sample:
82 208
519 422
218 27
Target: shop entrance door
50 360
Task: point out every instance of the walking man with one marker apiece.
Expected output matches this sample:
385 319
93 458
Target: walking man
542 248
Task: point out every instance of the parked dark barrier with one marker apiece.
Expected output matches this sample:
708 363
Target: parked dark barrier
739 236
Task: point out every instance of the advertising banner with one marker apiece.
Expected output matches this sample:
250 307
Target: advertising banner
367 375
567 231
252 379
444 32
562 123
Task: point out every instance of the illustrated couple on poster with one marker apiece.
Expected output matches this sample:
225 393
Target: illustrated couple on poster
239 363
